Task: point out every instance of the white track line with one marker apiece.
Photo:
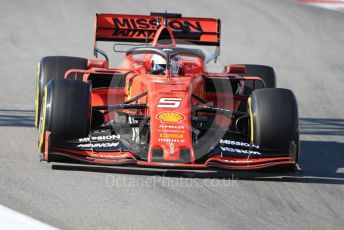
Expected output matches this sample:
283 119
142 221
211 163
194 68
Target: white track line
10 219
327 4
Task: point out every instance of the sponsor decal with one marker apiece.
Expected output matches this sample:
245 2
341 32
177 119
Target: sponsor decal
177 127
170 117
120 155
98 145
171 129
191 67
100 138
151 24
134 23
134 33
235 150
172 135
171 140
138 65
169 102
238 143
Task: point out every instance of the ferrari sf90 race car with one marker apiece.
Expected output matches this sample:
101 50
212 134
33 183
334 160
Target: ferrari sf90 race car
161 107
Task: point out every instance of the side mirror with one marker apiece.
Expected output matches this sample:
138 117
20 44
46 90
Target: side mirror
235 69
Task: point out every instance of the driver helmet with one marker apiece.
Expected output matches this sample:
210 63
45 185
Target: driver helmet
158 64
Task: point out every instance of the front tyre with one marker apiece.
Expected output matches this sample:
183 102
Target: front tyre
274 120
50 68
66 111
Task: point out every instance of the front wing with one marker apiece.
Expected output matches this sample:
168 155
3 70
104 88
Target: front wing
111 150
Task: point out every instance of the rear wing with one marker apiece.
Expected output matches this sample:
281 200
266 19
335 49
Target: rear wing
142 28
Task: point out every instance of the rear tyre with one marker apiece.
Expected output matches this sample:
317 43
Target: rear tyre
266 73
53 67
65 112
274 120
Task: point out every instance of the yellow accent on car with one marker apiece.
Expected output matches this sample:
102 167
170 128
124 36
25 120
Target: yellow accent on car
42 134
201 92
37 95
170 117
129 90
251 118
172 135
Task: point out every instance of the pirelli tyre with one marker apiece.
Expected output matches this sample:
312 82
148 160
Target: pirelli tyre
266 73
65 112
53 67
274 119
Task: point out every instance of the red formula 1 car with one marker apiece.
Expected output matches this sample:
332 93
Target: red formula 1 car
162 108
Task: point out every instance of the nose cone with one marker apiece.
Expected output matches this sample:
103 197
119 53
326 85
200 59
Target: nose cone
170 122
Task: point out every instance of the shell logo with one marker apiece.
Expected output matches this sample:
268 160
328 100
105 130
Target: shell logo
170 117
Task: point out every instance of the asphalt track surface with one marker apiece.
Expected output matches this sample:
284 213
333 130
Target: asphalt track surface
304 44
